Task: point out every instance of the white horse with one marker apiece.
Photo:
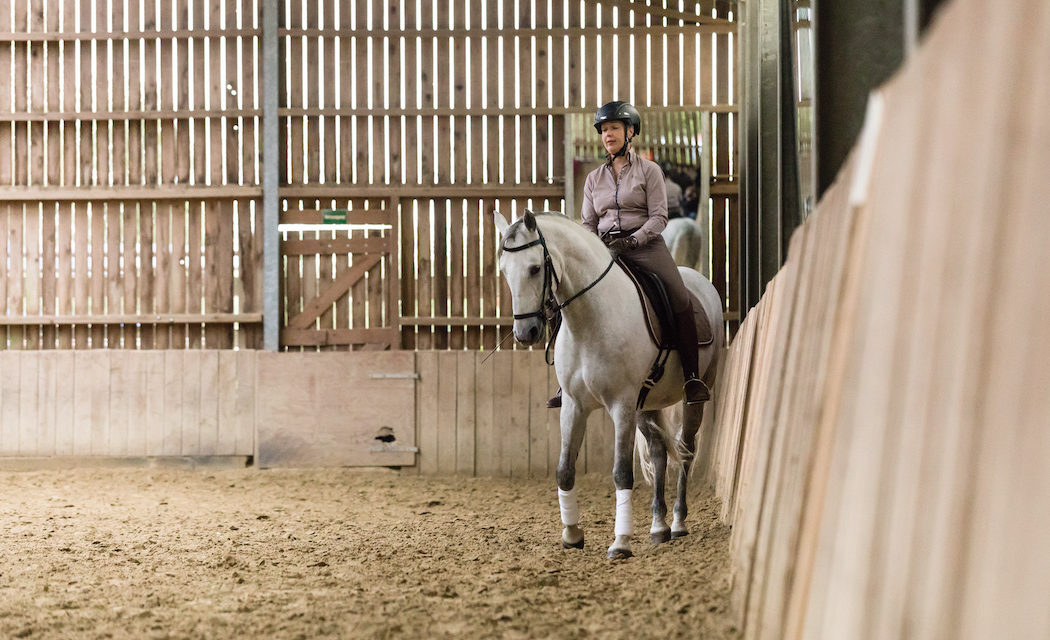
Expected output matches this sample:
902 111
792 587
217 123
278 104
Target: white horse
602 356
686 243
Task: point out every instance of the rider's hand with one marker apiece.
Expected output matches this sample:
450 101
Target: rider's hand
622 245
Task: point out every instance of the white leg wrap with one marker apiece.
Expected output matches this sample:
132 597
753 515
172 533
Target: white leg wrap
624 522
570 509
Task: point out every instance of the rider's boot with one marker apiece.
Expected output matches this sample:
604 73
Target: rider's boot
555 401
688 352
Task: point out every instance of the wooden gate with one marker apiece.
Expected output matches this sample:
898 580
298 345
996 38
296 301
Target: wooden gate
340 282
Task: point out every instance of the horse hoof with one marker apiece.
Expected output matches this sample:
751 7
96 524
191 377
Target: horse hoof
620 554
660 537
572 545
679 534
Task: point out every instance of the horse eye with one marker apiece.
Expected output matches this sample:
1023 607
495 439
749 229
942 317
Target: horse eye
534 269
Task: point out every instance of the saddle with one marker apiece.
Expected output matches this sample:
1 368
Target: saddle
656 308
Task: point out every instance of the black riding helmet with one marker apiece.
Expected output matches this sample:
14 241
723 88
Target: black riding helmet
618 110
624 112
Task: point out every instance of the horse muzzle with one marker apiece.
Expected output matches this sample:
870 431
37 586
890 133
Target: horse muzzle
528 331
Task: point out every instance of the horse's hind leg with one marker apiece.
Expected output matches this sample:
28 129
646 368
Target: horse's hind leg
573 427
692 414
659 532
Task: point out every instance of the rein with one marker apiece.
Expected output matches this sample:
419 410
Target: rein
549 305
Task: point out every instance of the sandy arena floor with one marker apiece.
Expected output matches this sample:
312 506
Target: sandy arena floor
206 553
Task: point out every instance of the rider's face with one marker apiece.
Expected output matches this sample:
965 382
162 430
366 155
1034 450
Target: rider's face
614 134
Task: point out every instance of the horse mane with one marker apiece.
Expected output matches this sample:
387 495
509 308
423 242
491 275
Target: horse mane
564 222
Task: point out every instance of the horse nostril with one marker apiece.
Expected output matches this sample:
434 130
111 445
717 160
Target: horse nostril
533 334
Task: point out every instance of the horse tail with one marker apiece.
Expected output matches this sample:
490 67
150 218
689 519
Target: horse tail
655 424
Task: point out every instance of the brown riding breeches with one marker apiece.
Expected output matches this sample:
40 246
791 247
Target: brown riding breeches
655 257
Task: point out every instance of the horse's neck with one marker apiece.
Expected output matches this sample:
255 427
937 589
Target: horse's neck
598 305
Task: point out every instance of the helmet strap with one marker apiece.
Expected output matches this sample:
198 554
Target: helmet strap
623 149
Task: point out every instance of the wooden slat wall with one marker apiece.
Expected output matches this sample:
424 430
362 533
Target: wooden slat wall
107 97
882 434
488 416
479 124
127 403
474 416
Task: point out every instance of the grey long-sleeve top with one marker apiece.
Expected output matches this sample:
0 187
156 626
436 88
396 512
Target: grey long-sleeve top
637 201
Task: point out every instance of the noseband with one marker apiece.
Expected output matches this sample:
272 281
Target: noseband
549 305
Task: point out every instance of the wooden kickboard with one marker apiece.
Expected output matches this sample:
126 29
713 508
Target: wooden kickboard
326 409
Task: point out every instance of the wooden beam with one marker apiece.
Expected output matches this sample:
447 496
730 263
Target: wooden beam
149 319
489 111
335 246
140 114
710 25
143 192
384 337
103 36
418 321
420 191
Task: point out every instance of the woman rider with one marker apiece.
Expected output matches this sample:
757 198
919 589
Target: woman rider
625 204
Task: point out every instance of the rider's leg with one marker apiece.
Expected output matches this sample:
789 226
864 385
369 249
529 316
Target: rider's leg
655 257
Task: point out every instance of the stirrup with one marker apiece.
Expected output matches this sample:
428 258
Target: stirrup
696 391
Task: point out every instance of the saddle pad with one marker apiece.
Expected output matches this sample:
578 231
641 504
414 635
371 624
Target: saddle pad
659 320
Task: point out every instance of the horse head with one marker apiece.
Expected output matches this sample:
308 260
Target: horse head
524 262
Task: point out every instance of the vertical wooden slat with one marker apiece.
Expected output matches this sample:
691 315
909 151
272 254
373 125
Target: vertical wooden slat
62 364
137 397
119 397
466 416
156 416
446 412
10 388
227 401
244 426
29 430
192 388
516 442
539 438
427 411
208 402
487 436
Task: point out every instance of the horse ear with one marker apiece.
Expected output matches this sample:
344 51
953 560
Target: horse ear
501 222
530 221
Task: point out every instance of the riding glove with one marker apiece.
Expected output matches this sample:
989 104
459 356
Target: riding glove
621 245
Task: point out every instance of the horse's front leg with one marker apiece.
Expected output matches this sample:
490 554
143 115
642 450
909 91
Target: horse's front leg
692 415
623 479
573 427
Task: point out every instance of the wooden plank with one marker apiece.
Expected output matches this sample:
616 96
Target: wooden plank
29 404
318 422
427 411
10 388
424 260
137 398
156 416
243 426
47 388
62 363
539 437
208 402
191 409
448 386
487 438
516 444
466 413
174 371
119 400
32 272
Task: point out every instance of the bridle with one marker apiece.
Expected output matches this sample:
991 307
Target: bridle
549 305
